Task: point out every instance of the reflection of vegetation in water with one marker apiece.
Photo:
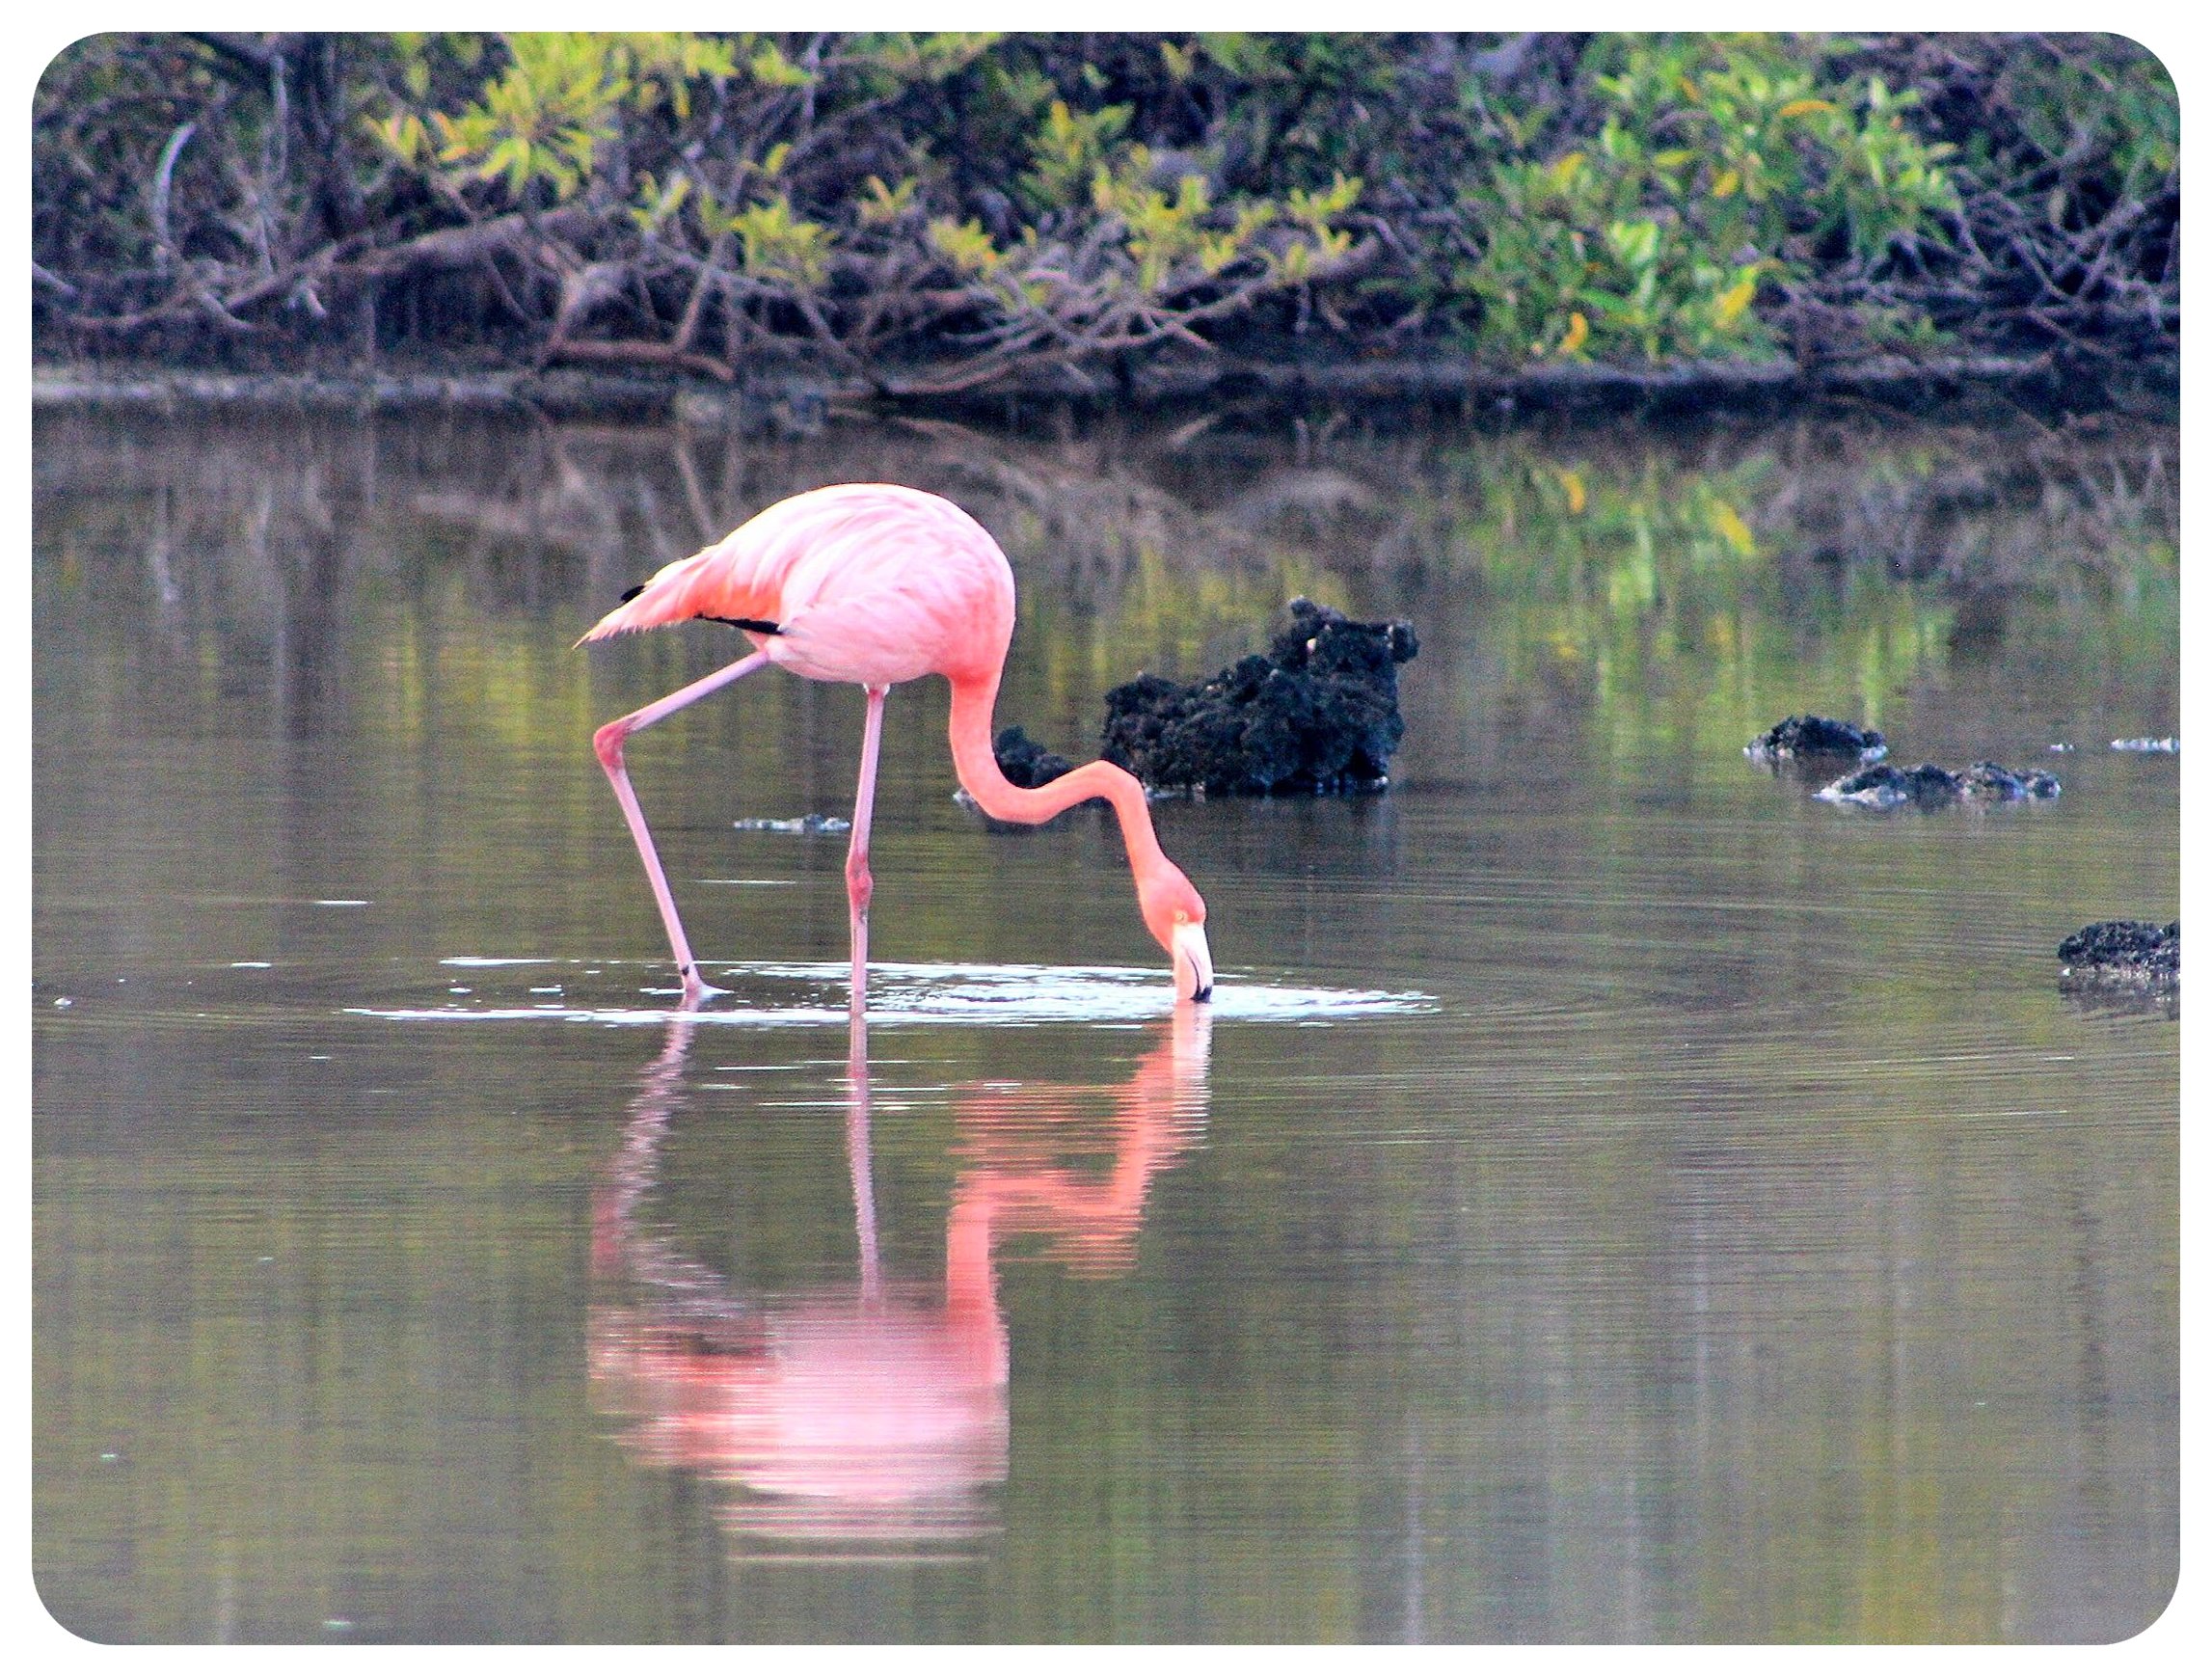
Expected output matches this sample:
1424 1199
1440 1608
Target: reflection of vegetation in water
1710 599
1646 589
1695 591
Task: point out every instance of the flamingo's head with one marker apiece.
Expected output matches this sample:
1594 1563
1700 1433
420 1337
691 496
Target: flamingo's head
1176 915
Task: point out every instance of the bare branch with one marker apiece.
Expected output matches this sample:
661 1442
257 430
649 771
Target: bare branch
636 354
157 204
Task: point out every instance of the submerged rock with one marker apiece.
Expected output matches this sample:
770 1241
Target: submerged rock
1318 712
2132 953
1885 786
796 824
1027 765
1810 736
1997 784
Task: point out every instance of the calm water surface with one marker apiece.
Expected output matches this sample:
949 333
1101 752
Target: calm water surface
1616 1196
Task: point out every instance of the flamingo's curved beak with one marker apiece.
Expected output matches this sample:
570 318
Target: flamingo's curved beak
1193 963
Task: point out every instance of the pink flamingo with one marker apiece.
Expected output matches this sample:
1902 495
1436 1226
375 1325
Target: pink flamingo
874 583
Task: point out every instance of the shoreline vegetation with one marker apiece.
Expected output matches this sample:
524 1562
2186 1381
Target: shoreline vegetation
760 229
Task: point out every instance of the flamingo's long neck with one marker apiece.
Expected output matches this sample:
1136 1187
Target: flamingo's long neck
1001 798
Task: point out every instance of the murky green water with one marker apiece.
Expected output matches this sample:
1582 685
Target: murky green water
1616 1196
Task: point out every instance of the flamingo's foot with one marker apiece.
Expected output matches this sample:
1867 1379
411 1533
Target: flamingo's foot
697 989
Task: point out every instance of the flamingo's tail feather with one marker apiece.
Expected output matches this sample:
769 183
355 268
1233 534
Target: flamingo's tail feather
720 584
647 606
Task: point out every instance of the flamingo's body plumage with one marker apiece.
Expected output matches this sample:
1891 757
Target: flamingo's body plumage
878 584
866 582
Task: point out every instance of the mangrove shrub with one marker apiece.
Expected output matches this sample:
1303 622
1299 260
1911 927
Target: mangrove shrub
942 211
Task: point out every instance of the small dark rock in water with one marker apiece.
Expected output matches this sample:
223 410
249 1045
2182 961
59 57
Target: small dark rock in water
1026 763
1318 713
1998 784
1885 786
2123 952
796 824
1815 736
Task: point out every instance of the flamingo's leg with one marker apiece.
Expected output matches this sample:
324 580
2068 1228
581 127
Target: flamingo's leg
609 743
859 883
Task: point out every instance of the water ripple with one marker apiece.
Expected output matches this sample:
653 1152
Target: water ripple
773 993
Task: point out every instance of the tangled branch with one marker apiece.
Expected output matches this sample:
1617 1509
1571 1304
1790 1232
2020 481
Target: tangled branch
936 213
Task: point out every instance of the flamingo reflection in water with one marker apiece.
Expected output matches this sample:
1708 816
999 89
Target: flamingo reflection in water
871 1422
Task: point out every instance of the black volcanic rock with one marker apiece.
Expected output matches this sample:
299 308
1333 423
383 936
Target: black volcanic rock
1997 784
1317 712
1885 786
2125 952
1026 763
1810 736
